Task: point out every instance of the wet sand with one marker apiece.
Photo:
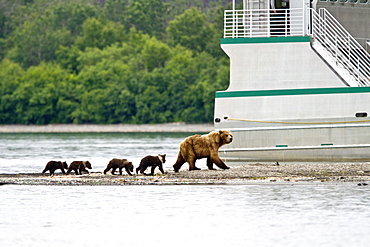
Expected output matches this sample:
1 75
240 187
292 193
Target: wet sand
358 173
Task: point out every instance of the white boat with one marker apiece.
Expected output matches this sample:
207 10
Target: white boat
299 82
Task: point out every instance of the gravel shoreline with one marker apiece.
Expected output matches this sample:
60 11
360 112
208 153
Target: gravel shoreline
258 173
108 128
245 174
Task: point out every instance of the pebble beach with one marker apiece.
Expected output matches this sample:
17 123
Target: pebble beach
242 174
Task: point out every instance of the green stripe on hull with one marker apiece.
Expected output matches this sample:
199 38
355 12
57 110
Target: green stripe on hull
265 40
287 92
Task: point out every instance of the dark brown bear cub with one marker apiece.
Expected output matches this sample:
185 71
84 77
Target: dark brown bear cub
120 164
78 167
55 165
152 161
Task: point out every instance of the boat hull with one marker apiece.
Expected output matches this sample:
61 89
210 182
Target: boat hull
329 143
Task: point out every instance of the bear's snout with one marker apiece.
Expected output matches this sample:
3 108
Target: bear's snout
229 138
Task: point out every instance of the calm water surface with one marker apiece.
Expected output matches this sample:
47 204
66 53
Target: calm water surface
241 215
292 214
29 153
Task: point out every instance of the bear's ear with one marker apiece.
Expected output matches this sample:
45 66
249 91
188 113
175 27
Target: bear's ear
218 136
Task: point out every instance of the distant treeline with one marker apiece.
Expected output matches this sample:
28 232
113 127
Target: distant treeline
112 61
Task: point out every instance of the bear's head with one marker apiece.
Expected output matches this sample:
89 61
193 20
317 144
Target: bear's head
87 164
225 136
162 158
130 166
64 164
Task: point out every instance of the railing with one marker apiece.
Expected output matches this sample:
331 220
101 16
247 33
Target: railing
263 23
345 52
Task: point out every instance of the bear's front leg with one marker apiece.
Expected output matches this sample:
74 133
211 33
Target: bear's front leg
45 170
128 171
216 159
161 168
137 169
179 162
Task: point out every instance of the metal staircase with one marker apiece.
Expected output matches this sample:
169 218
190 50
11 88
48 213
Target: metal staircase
340 50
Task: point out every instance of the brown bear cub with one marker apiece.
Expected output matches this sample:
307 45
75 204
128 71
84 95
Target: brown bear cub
120 164
152 161
78 167
55 165
203 146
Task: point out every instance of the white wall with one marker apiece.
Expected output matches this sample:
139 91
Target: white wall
277 66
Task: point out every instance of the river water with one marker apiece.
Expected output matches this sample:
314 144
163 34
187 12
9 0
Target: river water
299 214
29 153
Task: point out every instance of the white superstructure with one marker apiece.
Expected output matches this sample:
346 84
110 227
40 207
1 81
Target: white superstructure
299 86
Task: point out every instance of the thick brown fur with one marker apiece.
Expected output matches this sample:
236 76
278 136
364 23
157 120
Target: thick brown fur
78 167
203 146
120 164
152 161
54 165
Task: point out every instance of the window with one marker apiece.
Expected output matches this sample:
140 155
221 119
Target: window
361 114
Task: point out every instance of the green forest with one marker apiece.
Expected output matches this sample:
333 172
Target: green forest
110 61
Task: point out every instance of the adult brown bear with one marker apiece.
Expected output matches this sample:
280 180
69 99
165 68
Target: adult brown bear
203 146
120 164
152 161
78 167
54 165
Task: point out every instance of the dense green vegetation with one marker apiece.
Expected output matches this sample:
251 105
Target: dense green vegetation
112 61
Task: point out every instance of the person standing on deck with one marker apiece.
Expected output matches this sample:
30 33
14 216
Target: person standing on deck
279 24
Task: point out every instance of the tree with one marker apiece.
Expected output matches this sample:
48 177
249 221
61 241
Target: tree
113 10
105 106
34 42
151 108
67 57
38 93
146 15
72 14
9 82
104 73
112 61
181 72
100 35
155 54
190 30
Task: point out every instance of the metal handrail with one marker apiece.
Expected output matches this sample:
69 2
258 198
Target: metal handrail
349 57
251 23
346 52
